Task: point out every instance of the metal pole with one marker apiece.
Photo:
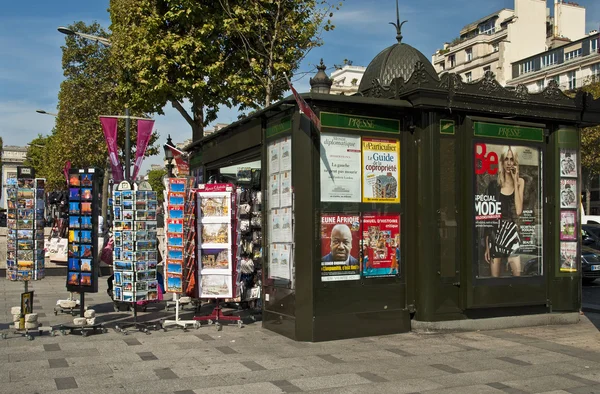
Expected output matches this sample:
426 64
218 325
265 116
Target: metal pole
127 147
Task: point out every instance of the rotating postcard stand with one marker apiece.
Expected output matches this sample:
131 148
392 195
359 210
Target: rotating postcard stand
25 245
82 270
180 231
217 251
135 255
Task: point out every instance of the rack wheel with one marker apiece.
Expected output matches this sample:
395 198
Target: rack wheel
4 335
196 325
40 332
115 308
219 327
84 333
104 330
240 323
30 337
63 332
209 322
55 313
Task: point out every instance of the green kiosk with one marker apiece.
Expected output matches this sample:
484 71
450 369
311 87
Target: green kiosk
422 201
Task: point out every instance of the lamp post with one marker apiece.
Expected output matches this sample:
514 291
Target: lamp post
41 111
70 32
169 156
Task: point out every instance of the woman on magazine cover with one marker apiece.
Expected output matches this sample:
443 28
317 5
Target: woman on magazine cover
508 189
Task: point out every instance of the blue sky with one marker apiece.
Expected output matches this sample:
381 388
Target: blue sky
30 55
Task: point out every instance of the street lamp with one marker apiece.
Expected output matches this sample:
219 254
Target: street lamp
169 156
41 111
70 32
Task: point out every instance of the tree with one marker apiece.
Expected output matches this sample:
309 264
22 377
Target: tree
272 37
37 154
155 179
590 155
227 52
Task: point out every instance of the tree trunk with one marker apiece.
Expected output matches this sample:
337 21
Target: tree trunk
588 198
198 114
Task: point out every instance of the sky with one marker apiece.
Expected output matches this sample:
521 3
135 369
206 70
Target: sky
30 54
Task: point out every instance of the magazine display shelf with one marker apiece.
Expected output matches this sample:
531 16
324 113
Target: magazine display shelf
218 257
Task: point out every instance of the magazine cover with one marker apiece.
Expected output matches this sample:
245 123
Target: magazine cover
568 193
568 163
568 257
568 224
381 170
340 235
507 209
380 245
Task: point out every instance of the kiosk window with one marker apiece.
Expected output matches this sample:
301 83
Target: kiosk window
508 210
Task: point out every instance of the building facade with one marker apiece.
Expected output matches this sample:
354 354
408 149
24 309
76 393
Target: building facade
346 79
12 156
496 41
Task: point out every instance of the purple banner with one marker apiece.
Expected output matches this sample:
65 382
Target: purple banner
109 126
66 170
144 131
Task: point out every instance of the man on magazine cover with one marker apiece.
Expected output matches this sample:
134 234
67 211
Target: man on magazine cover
341 246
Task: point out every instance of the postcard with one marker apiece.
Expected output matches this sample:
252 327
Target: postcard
140 215
74 208
141 286
86 179
127 296
175 212
127 235
85 251
117 213
127 225
140 195
86 208
216 286
74 194
151 215
73 264
146 275
128 255
141 266
150 195
86 222
174 226
174 268
118 293
127 215
175 239
175 253
86 279
74 222
128 205
141 256
117 200
117 280
128 276
86 265
127 195
152 255
152 295
74 180
86 194
140 225
127 245
73 278
86 237
152 264
151 204
140 205
152 285
127 286
117 225
176 199
174 283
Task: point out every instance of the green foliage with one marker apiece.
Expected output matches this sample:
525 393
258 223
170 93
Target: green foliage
88 91
37 154
590 151
155 179
211 53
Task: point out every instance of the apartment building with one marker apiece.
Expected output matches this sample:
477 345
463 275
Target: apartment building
346 79
496 41
571 65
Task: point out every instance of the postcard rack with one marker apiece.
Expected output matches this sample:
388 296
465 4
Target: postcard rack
177 232
82 271
135 254
217 250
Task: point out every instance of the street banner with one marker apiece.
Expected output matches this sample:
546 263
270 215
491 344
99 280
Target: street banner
109 127
183 167
66 170
304 107
144 131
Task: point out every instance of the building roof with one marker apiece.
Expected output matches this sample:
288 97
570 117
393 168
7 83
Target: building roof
398 60
474 25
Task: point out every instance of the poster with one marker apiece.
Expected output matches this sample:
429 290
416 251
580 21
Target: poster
380 170
568 193
568 163
27 303
568 225
340 168
507 210
216 286
274 191
568 257
279 261
273 152
285 150
380 245
340 235
285 189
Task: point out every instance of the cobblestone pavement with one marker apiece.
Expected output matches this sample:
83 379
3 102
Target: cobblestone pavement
549 359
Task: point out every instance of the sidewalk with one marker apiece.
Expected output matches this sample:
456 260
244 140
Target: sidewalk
550 359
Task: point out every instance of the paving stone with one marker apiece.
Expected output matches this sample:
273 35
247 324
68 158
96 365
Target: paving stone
372 377
446 368
165 373
205 337
514 361
324 382
286 386
147 356
66 383
330 358
58 363
226 350
132 342
253 366
53 347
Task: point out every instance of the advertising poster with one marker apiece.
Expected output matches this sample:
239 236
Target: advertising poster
273 150
340 168
380 245
568 257
380 170
274 192
279 263
568 163
285 149
507 210
216 286
567 225
568 193
285 189
340 235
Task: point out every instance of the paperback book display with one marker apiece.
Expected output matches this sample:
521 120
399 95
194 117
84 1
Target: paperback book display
216 233
174 223
280 215
135 254
82 274
25 227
